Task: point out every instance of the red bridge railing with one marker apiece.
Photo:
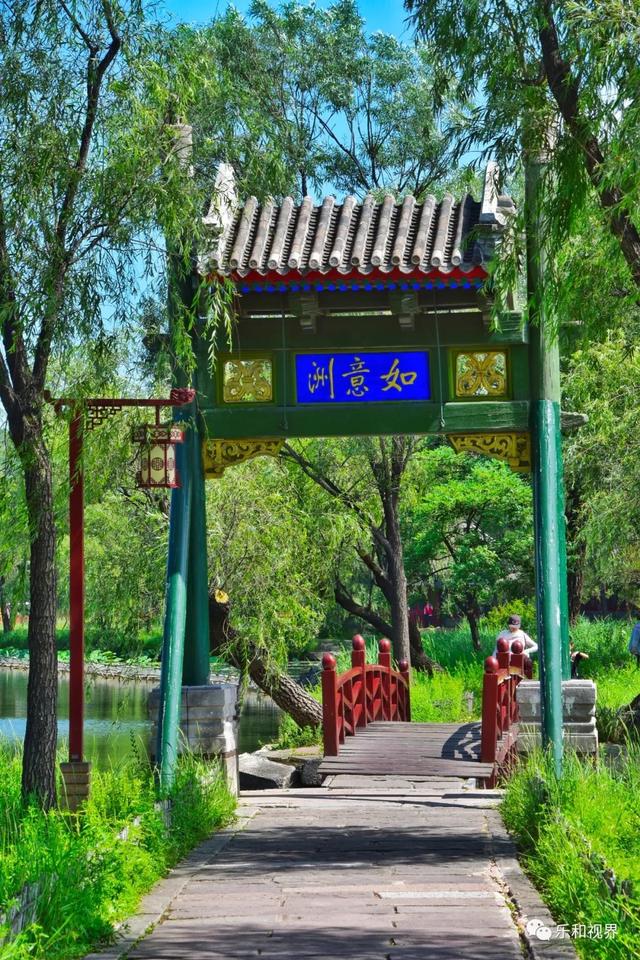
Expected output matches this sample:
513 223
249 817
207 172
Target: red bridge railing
366 692
500 717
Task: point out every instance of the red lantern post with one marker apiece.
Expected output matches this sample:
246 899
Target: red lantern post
159 443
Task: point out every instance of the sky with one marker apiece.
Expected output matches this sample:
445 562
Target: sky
387 15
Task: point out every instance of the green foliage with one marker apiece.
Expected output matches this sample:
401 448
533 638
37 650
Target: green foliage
350 108
290 735
495 619
472 528
516 70
603 461
271 553
571 833
92 874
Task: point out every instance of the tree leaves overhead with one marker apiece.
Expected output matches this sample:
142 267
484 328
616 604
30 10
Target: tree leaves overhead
353 112
520 68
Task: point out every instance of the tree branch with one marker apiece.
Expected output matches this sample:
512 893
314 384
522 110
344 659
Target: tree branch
369 616
330 487
15 369
95 76
380 577
565 90
77 26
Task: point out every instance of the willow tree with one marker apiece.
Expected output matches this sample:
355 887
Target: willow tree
91 180
368 479
519 67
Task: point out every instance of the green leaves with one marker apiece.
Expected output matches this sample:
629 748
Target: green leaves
315 100
472 528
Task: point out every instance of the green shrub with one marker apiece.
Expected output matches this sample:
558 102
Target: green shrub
580 844
496 619
290 735
92 874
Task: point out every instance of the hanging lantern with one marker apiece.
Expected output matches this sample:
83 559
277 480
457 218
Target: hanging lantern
157 456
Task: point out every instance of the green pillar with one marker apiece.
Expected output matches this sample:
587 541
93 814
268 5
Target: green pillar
175 617
549 522
196 650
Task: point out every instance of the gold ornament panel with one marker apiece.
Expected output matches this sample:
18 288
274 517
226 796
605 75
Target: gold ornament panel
247 380
512 448
218 455
480 373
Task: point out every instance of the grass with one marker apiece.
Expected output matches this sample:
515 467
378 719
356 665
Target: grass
91 877
580 843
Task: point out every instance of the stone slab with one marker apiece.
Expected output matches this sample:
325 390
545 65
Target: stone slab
257 772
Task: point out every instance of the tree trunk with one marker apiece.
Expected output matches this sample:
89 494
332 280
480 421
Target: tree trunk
419 658
4 609
575 580
286 693
283 689
472 619
576 551
39 760
397 581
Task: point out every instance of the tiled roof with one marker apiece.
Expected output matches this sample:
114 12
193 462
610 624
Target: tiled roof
352 238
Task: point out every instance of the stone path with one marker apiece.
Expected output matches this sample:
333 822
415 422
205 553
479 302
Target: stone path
363 868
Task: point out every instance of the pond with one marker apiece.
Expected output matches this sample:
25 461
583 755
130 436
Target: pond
116 723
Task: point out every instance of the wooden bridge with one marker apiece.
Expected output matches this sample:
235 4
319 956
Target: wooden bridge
368 730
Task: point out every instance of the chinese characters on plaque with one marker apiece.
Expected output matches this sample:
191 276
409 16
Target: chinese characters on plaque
362 377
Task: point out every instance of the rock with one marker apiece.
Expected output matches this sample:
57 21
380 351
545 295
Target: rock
310 775
259 773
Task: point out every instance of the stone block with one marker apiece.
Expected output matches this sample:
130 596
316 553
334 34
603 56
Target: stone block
578 698
310 775
258 773
76 779
208 724
581 737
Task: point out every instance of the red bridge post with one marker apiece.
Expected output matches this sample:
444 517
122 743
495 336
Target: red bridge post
384 660
405 670
489 740
359 661
330 705
362 694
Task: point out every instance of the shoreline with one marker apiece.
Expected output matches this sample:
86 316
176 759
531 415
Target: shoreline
107 671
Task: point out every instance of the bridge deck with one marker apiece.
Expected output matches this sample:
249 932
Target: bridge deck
411 750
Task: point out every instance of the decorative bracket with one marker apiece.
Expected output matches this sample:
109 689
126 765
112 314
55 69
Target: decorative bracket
512 448
306 308
217 455
404 306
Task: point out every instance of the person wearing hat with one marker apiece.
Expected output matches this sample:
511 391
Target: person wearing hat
513 632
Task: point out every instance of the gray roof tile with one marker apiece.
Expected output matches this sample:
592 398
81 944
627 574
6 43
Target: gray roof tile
359 238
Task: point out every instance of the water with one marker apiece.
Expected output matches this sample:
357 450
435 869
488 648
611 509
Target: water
116 724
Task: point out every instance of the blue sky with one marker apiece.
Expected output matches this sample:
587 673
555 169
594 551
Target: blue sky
389 16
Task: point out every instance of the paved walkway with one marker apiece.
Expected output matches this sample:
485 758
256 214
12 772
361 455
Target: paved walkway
365 869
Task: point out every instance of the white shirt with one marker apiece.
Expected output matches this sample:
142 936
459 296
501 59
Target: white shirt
528 644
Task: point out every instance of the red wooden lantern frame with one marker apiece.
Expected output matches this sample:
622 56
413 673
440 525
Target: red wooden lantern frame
92 412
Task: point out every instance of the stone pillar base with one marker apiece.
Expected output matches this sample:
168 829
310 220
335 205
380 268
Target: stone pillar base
208 725
76 776
579 715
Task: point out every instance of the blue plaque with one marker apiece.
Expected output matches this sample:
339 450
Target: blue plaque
362 377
